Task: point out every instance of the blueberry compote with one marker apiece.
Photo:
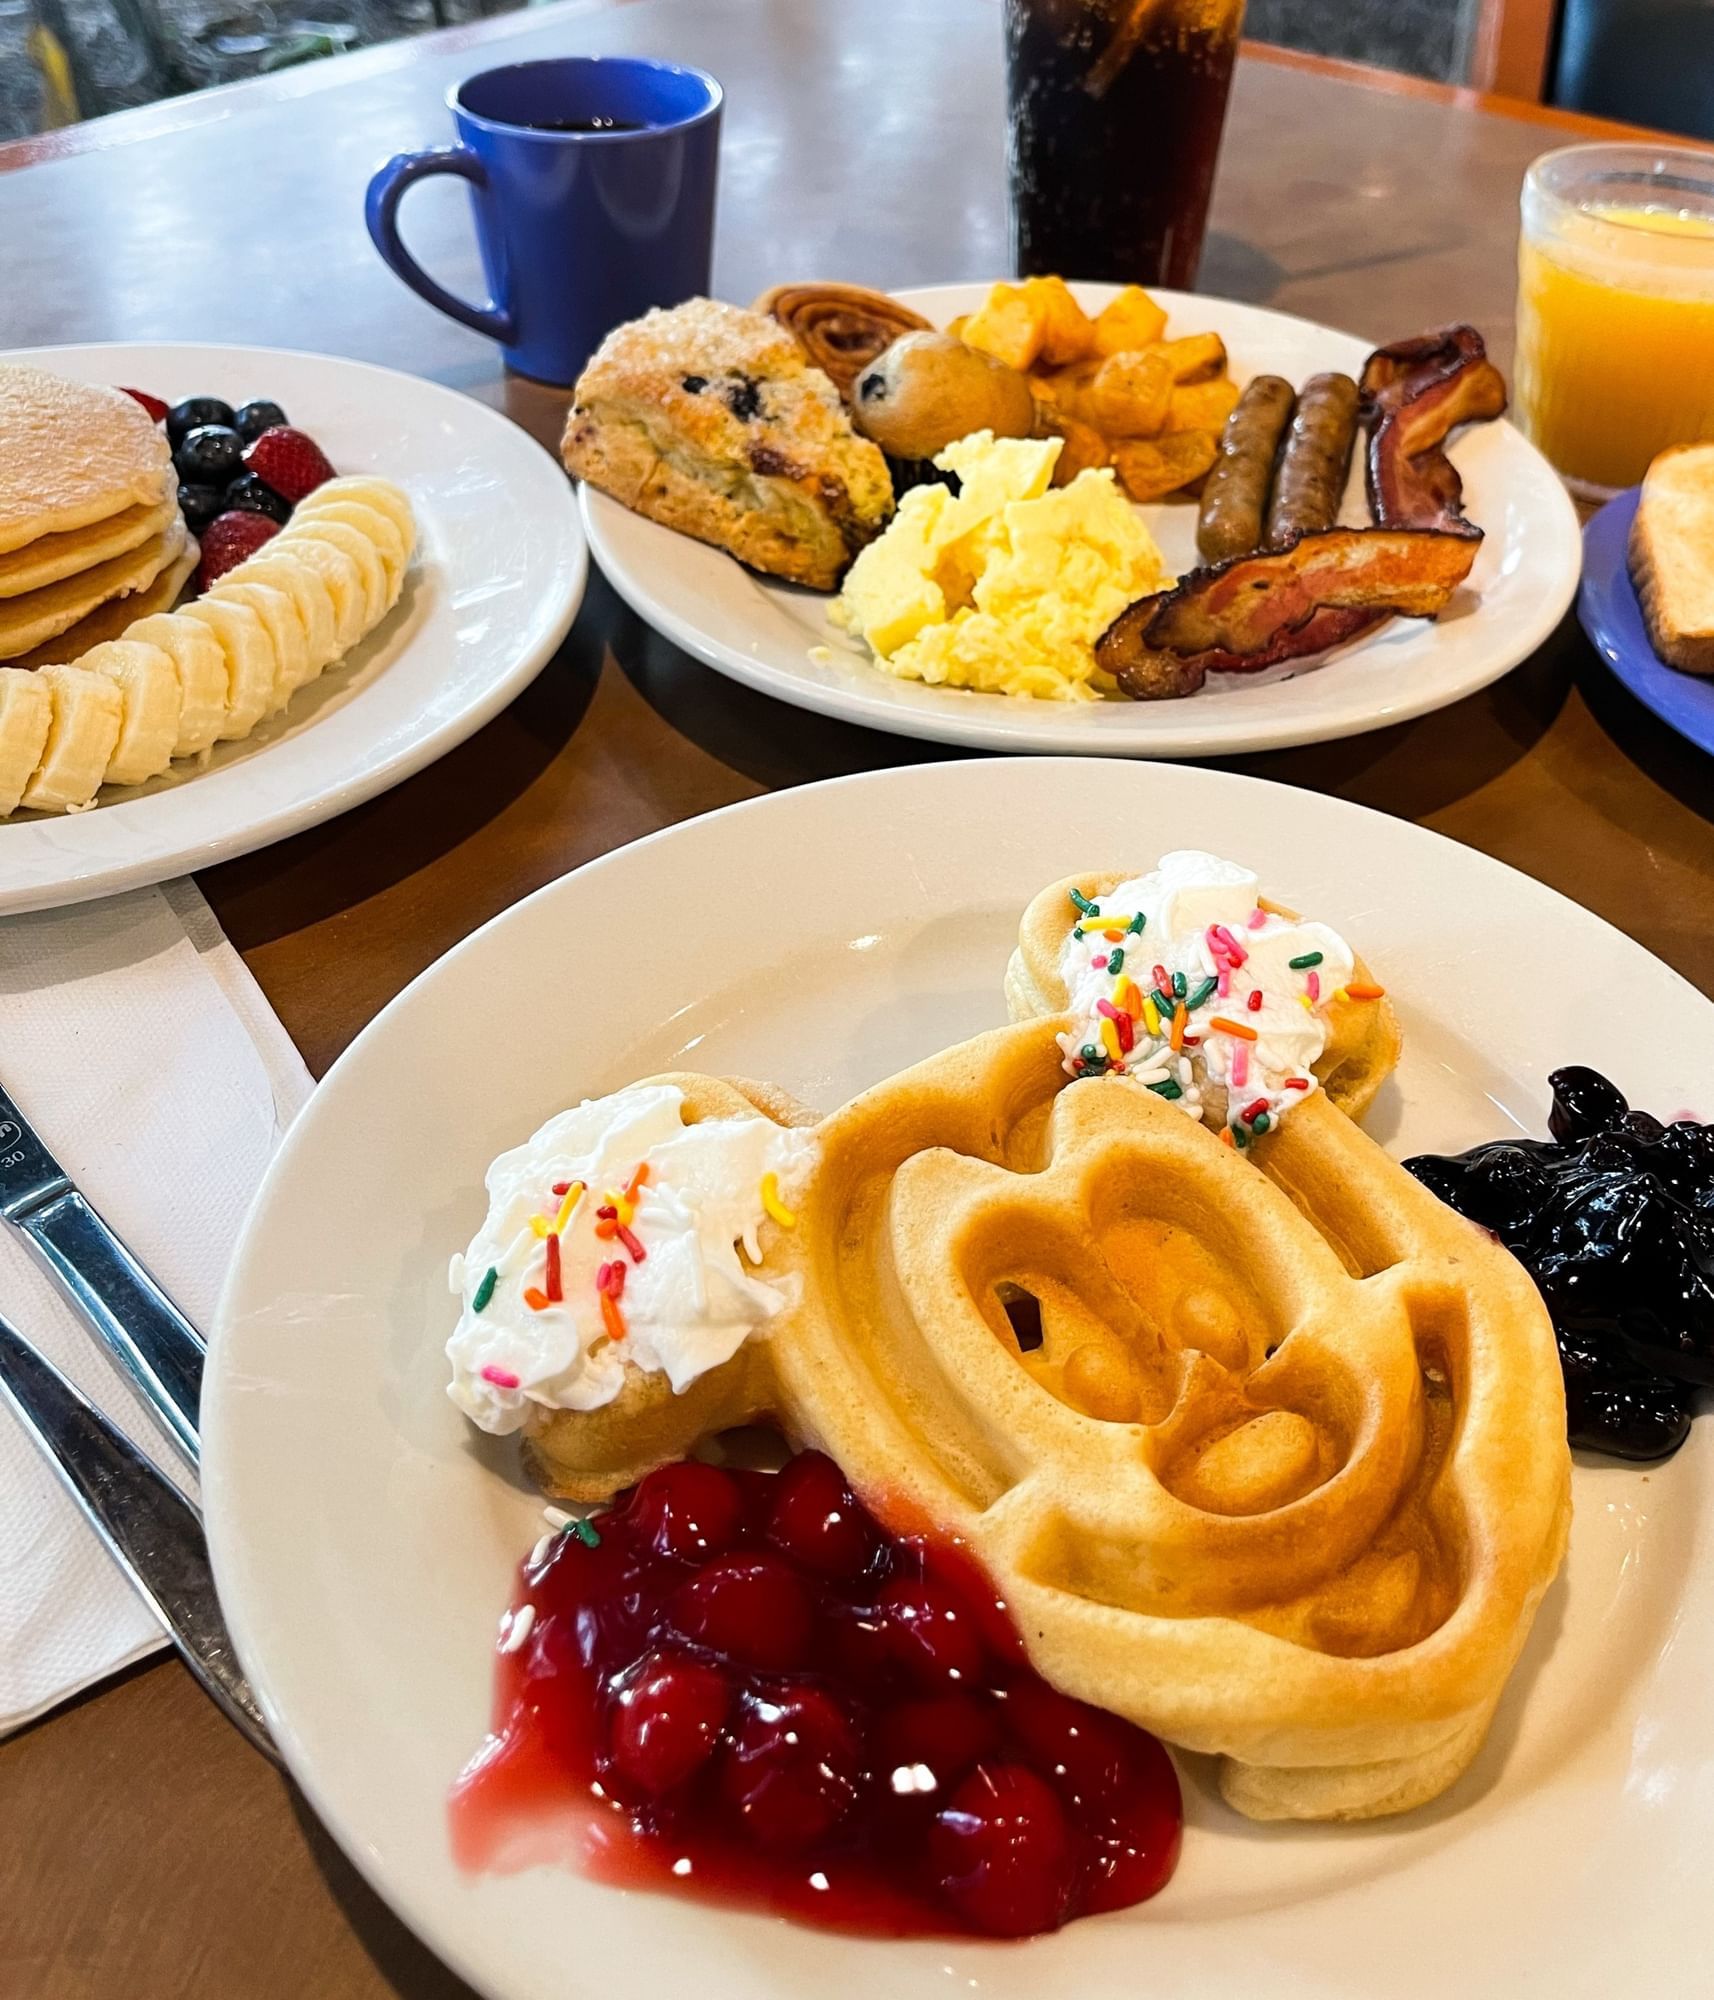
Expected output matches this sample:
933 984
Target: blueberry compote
1614 1219
745 1689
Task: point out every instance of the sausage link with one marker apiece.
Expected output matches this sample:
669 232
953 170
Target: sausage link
1235 493
1316 460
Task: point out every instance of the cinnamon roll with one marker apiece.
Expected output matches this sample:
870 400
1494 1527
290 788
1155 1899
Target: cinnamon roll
841 328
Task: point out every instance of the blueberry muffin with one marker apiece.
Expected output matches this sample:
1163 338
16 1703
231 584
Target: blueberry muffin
708 419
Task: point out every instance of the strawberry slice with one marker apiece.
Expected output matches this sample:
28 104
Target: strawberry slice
228 540
153 404
288 461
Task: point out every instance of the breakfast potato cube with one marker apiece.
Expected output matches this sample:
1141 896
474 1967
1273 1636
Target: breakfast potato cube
1068 333
955 327
1130 321
1010 326
1130 394
1067 389
1084 448
1201 406
1150 469
1193 357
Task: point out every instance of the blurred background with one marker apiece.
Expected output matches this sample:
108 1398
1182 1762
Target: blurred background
1433 38
1649 62
64 60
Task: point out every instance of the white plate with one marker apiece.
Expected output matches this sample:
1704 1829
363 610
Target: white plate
761 632
495 584
365 1538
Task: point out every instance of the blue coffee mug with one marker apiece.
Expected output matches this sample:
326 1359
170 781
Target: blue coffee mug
592 182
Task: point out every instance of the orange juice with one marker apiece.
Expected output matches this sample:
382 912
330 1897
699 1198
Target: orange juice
1615 336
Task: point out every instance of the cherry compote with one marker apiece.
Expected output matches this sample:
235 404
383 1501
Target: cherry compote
738 1685
1613 1217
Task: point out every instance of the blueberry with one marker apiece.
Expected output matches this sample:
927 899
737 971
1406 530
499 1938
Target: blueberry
1584 1103
199 505
253 495
255 418
744 398
210 455
184 417
909 472
1614 1219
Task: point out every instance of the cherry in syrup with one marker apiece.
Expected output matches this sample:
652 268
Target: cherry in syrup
748 1690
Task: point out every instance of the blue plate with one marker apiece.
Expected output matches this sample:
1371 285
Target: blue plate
1608 611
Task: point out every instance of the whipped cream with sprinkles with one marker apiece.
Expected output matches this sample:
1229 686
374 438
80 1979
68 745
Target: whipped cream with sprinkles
1180 978
614 1235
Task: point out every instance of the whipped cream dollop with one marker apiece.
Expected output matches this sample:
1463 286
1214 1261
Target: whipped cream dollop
614 1235
1179 978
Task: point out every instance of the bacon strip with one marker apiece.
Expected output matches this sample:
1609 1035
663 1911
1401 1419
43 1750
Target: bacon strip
1259 610
1146 675
1415 393
1240 606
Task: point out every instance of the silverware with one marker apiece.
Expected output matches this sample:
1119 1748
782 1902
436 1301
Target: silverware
149 1528
139 1325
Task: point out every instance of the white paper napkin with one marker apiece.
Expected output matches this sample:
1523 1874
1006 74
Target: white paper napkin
135 1041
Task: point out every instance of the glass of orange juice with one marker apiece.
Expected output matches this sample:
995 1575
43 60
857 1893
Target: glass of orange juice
1615 355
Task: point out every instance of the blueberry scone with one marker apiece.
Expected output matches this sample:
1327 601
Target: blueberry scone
708 419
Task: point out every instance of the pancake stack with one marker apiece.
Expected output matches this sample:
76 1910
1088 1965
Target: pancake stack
88 514
136 683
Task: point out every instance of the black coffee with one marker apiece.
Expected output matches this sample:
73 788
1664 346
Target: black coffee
582 125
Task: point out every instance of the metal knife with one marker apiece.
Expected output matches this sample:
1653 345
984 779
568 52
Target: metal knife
141 1328
149 1528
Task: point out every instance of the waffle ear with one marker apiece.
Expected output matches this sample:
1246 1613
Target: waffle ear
1363 1037
593 1454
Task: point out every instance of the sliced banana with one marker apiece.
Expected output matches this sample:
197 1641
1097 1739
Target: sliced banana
361 550
307 589
203 678
344 581
370 491
251 670
88 710
26 712
177 682
149 681
376 528
285 628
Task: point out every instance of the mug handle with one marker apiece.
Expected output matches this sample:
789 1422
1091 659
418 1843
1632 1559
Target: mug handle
381 213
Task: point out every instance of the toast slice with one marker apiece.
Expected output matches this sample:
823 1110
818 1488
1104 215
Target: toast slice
1672 556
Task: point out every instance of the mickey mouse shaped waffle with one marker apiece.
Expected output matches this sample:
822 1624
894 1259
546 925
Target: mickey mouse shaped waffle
1262 1445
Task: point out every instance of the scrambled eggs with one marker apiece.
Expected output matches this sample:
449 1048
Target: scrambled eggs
1007 586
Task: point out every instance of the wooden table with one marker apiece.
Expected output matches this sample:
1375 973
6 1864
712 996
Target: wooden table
146 1852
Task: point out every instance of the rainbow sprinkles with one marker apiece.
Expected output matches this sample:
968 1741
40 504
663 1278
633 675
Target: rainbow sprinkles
563 1288
1186 982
